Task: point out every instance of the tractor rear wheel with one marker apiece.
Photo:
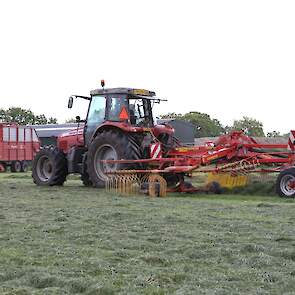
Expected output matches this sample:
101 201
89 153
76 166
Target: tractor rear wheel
285 185
49 167
111 145
16 166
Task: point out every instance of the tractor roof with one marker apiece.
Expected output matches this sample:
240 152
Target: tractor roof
130 91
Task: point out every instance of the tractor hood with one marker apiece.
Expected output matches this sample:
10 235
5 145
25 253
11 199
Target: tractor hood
71 138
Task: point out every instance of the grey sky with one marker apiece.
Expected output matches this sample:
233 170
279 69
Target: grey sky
225 58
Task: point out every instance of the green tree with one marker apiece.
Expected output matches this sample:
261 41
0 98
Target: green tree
205 125
71 120
171 116
40 119
274 134
24 117
51 120
250 126
17 115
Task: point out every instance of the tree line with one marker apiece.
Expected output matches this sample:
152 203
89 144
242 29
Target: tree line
205 126
24 117
210 127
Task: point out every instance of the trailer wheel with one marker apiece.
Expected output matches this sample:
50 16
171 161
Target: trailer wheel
16 166
24 166
285 185
3 167
49 167
110 145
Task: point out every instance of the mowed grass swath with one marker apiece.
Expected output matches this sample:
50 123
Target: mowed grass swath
79 240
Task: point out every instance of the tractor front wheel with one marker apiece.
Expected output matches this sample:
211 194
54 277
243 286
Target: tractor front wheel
285 185
49 167
110 145
85 176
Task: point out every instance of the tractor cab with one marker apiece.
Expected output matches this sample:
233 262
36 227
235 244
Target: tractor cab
123 108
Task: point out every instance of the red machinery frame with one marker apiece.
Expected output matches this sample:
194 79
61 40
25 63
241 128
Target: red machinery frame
233 153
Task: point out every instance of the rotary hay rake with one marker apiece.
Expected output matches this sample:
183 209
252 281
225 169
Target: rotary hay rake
127 182
234 154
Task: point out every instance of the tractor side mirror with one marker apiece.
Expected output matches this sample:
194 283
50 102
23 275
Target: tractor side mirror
70 102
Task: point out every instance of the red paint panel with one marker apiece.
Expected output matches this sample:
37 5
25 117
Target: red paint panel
16 143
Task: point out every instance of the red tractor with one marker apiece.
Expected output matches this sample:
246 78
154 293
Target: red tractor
119 125
119 139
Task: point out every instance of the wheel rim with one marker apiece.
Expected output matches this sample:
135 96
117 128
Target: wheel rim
287 185
105 152
44 168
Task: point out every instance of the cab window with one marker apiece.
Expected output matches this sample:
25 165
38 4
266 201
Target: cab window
96 115
116 104
137 110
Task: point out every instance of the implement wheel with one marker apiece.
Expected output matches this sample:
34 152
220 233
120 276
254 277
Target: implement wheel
49 167
285 185
110 145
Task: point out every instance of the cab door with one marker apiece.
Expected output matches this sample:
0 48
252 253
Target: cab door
95 117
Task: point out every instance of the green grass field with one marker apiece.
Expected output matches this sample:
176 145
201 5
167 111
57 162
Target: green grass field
72 239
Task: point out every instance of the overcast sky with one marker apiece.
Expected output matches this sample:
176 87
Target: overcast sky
225 58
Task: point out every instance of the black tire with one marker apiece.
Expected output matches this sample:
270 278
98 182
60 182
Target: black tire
49 167
215 188
111 145
283 182
173 180
4 167
85 176
24 166
16 166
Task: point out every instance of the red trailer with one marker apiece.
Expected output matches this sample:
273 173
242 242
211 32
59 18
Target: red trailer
18 146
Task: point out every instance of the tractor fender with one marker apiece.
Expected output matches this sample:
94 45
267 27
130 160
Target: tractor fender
120 127
163 129
125 127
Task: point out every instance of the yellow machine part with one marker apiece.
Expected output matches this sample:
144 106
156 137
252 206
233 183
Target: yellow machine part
128 183
227 180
